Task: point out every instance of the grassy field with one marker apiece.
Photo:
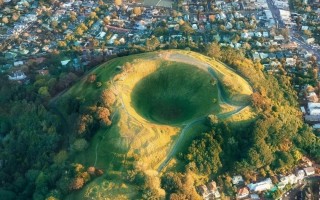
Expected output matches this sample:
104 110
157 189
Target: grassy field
156 98
234 86
176 92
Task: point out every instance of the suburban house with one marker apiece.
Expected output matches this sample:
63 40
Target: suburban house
254 197
65 62
285 180
300 174
17 63
209 191
309 171
243 193
314 108
261 186
17 76
237 180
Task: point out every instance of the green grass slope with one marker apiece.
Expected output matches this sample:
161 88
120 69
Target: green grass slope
160 94
175 93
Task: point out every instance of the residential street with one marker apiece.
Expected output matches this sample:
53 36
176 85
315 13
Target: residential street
295 36
296 192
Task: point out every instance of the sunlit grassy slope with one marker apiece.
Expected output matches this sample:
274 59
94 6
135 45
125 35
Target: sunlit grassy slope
136 132
235 87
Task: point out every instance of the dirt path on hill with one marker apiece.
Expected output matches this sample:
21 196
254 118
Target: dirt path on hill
177 57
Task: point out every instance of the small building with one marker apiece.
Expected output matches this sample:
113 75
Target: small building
316 126
300 174
312 118
261 186
310 40
17 76
314 108
243 193
203 191
285 180
303 110
17 63
65 62
254 197
309 171
237 180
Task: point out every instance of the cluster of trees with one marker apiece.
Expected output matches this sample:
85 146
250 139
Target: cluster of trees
271 144
35 139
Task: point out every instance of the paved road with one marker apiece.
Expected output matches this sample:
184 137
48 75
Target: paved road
275 13
294 35
315 50
296 193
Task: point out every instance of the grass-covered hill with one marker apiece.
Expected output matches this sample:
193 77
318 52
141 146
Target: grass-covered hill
134 114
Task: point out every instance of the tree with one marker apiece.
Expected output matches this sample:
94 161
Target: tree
308 33
62 43
108 98
15 16
79 31
43 91
92 78
77 183
118 2
186 28
152 43
5 20
80 144
60 157
213 50
93 15
54 24
73 16
84 124
103 115
137 11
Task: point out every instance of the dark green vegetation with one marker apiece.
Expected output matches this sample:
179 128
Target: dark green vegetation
176 92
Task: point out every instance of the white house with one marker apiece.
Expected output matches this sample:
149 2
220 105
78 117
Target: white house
237 179
17 63
290 61
314 108
65 62
303 110
300 174
316 126
17 76
278 37
290 179
261 186
310 40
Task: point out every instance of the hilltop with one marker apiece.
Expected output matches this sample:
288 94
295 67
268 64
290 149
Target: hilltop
159 98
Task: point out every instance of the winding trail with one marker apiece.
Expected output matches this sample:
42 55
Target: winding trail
222 99
188 59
